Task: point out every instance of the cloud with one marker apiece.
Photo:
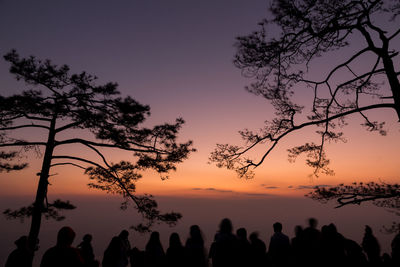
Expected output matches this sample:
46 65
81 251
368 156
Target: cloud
212 189
301 187
256 194
268 186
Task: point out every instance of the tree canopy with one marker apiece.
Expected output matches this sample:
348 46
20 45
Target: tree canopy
96 118
279 65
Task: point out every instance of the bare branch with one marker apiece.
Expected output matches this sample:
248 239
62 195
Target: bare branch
67 163
35 118
78 159
23 143
310 123
344 64
308 30
68 126
380 194
394 35
24 126
148 149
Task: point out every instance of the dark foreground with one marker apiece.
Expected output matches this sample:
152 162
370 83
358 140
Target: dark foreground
311 246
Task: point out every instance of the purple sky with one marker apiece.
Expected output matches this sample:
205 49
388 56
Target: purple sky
176 56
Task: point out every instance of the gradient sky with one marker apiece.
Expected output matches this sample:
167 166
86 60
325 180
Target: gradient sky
176 56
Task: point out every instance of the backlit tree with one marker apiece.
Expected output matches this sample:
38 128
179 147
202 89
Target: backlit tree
72 110
278 64
363 82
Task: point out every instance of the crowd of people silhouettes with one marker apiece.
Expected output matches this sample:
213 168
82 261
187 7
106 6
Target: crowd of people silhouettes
310 247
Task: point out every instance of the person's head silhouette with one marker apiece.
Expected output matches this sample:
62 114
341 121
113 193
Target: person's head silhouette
277 227
65 236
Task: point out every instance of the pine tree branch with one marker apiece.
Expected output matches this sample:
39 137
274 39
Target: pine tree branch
148 149
24 126
275 140
23 143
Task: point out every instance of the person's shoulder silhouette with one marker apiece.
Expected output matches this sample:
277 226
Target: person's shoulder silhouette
258 251
226 245
279 246
113 255
21 256
86 250
63 254
194 248
396 249
243 247
354 253
371 246
154 254
175 256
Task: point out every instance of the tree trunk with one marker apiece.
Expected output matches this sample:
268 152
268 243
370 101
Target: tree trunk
41 192
393 81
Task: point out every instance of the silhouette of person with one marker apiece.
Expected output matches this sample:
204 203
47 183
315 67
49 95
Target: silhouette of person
243 247
312 240
279 247
155 255
258 250
63 254
86 250
126 246
371 247
297 246
332 246
213 247
194 248
21 256
396 250
137 257
354 254
114 255
387 260
175 256
225 254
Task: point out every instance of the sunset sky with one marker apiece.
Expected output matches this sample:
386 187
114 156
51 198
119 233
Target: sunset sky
176 56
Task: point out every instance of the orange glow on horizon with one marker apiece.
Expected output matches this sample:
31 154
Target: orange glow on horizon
364 157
